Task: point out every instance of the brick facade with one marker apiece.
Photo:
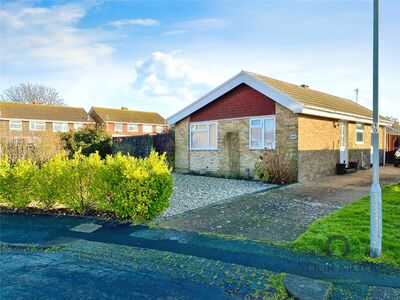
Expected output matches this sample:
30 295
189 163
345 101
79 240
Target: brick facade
220 161
5 131
314 141
110 126
319 149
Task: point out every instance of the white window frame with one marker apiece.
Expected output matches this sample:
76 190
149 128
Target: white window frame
133 124
147 125
14 122
263 132
119 130
208 133
78 126
33 128
360 131
64 126
159 129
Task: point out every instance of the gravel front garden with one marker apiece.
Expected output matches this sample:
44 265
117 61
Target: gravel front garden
193 191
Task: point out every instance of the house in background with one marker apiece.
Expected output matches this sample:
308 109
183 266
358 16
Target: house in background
125 122
228 129
32 121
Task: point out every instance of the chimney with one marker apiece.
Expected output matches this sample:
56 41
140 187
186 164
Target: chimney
124 108
305 86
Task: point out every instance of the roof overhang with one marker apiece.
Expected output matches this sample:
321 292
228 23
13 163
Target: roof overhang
331 114
275 94
243 77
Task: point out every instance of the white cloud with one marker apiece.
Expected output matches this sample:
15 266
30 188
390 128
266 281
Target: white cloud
48 37
134 22
170 80
196 25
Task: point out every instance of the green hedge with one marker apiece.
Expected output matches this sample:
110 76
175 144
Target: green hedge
129 187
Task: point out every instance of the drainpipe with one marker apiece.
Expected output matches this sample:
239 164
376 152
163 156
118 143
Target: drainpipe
376 192
384 145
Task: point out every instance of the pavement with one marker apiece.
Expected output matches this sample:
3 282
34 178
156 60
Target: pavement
279 214
59 257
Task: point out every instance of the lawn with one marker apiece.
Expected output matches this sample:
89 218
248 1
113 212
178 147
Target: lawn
352 222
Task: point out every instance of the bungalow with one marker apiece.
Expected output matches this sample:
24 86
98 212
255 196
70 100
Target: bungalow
227 130
125 122
31 121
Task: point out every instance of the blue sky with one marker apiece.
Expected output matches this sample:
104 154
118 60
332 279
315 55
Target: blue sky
162 55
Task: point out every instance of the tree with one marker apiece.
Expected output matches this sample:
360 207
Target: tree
88 140
32 93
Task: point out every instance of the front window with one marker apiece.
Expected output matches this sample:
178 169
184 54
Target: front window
15 125
159 129
132 127
118 127
78 126
37 125
60 127
262 133
148 128
359 134
203 136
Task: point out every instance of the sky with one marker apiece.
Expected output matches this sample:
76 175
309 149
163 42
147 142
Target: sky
162 55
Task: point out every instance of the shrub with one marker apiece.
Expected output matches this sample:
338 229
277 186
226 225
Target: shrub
51 181
83 187
89 140
129 187
17 182
39 149
277 166
138 188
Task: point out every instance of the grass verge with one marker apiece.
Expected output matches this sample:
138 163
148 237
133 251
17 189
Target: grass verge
352 223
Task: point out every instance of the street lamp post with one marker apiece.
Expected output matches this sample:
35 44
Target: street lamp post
375 193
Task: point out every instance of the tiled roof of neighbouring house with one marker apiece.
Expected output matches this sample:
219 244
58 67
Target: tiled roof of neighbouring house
313 98
126 115
27 111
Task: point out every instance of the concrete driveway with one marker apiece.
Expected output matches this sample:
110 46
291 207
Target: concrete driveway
280 215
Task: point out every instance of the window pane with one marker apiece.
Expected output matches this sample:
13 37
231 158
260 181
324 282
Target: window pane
78 126
118 126
359 126
269 133
360 137
159 129
199 139
255 137
199 127
132 127
147 128
254 123
15 125
213 135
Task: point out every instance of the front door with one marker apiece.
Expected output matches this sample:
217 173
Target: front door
344 154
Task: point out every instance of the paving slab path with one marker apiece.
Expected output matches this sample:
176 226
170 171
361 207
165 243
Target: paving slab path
40 251
280 215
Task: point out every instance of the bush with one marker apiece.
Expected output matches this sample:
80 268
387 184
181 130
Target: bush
88 140
277 166
129 187
39 149
17 182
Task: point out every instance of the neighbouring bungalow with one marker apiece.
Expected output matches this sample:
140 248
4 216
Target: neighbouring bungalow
228 129
124 122
30 122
